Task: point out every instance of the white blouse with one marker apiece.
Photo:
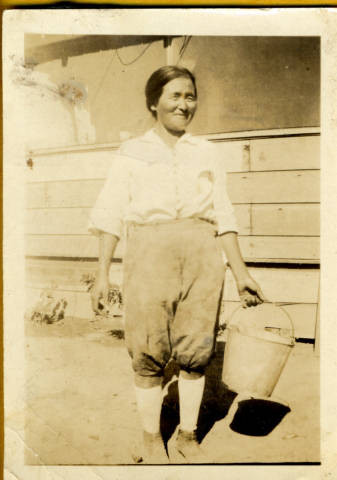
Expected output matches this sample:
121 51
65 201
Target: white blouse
149 182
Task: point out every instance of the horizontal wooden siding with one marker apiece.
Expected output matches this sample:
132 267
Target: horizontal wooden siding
273 183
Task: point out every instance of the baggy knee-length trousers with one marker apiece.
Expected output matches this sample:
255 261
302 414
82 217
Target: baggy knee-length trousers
173 280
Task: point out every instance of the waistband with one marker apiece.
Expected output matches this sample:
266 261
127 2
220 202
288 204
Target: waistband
174 223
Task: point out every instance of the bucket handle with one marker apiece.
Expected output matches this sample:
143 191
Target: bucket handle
281 305
276 304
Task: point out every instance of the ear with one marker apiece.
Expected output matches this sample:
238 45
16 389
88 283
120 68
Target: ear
153 108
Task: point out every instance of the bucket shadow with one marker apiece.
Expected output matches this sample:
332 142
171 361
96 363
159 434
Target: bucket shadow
258 417
216 401
254 417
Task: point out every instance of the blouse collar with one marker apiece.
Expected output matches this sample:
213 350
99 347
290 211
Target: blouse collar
153 137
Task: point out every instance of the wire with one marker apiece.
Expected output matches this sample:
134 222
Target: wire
183 48
104 76
183 45
116 53
135 59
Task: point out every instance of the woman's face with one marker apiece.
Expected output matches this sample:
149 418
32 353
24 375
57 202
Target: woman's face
176 105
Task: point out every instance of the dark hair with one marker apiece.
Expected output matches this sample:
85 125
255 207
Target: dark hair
159 78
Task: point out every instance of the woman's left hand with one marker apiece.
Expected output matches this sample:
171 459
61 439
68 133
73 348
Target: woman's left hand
250 292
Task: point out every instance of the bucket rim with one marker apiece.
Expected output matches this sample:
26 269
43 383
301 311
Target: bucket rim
276 339
265 336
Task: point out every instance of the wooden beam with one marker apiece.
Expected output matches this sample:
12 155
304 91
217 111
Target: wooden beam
286 219
288 153
293 249
295 186
280 285
84 44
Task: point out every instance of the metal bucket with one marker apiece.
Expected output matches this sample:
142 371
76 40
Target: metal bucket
258 345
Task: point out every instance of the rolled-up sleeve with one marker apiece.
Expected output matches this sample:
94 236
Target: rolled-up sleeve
223 207
108 213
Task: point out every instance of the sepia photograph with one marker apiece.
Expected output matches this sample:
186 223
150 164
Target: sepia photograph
171 246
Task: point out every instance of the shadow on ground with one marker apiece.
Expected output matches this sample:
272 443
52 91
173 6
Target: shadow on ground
216 402
253 417
258 417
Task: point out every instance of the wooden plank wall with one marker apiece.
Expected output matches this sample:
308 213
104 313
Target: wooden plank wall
273 182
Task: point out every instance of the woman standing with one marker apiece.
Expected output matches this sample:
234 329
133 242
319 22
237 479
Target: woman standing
167 189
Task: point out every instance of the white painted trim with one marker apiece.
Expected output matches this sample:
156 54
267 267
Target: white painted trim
276 132
217 137
94 147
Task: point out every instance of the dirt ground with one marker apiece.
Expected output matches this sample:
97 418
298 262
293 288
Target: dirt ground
81 408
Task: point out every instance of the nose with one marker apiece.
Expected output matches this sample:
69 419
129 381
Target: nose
182 105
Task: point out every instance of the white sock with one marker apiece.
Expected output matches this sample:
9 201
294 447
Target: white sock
149 403
190 396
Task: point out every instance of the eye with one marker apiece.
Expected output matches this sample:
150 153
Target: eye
191 98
